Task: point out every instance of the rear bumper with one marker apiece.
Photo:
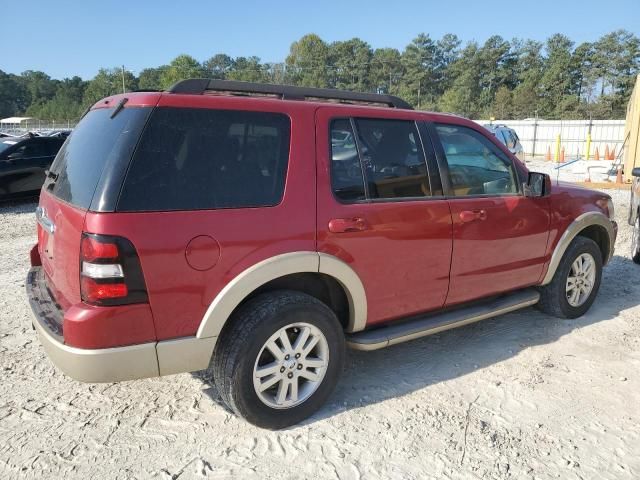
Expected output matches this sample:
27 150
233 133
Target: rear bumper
87 365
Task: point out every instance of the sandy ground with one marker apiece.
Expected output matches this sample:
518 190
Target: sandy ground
520 396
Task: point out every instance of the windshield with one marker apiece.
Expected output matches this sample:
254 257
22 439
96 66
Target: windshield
97 140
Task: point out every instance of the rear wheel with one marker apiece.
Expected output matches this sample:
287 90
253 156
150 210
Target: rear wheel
280 358
635 240
576 281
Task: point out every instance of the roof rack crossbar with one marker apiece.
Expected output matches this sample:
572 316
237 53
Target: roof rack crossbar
286 92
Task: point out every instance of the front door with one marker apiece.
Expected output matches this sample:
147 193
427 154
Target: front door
499 235
378 213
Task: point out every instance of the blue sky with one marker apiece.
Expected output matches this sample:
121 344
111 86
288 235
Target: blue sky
65 38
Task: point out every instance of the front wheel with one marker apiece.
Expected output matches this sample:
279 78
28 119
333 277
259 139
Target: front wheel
635 240
280 358
576 282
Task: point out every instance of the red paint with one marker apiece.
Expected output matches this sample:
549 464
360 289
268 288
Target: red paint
502 249
202 253
412 256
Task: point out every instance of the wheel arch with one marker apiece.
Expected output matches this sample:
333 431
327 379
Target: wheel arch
593 225
321 275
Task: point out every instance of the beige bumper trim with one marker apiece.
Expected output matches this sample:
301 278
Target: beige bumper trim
102 365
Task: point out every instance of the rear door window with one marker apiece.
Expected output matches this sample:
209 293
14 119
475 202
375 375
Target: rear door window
384 160
393 160
193 159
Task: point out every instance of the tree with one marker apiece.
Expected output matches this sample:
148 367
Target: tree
502 103
420 72
556 80
386 70
150 78
248 69
218 66
307 62
14 97
463 97
350 65
108 82
66 104
180 68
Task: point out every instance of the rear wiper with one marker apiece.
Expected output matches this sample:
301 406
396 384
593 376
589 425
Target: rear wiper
119 107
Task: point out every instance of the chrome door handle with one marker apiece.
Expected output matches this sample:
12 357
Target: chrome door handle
472 215
346 225
44 221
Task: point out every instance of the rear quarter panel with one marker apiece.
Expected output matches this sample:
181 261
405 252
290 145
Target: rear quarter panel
180 295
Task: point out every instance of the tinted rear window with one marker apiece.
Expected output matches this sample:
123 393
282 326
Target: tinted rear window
96 140
192 159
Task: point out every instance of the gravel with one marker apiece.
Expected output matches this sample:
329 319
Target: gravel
519 396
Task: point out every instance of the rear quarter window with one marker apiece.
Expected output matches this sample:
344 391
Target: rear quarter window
194 159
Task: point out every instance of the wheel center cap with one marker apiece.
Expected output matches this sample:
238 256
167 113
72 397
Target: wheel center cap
290 364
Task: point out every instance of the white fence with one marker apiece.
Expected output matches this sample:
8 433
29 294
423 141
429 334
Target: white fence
35 125
536 136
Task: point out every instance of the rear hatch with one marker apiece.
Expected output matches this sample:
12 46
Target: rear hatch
86 175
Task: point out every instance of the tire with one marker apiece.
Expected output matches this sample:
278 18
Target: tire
554 297
635 240
242 348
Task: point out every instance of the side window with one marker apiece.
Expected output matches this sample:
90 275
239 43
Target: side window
476 166
392 158
191 159
346 171
30 149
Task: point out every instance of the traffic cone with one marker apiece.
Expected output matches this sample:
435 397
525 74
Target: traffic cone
612 153
619 175
596 156
606 152
562 155
547 157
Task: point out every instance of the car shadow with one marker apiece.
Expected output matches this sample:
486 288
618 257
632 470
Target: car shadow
373 377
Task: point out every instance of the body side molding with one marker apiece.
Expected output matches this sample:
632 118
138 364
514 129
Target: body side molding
274 267
583 221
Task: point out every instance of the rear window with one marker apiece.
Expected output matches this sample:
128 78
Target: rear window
97 140
192 159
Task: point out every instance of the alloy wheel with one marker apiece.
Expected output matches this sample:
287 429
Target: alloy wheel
291 365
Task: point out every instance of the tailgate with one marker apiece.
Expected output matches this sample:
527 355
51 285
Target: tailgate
59 232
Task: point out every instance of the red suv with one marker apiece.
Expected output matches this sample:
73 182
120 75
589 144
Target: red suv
256 229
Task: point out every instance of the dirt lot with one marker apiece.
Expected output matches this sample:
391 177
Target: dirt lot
519 396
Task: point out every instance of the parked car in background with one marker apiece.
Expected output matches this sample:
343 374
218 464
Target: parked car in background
59 133
258 234
23 163
634 215
508 137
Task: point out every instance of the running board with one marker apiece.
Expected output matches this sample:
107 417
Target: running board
403 331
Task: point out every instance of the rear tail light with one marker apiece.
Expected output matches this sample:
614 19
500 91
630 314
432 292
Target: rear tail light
110 272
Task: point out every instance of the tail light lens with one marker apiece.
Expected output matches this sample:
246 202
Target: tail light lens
110 272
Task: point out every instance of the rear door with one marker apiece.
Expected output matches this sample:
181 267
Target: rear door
380 211
499 235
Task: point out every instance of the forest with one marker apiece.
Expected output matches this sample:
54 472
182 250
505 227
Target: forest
500 78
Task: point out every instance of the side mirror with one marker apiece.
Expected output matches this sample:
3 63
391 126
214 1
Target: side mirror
538 185
635 172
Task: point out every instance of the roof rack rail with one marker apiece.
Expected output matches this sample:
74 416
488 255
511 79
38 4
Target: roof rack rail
286 92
